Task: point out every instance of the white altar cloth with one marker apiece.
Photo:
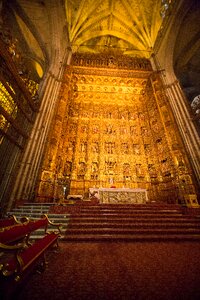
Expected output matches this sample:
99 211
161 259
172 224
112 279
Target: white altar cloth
119 195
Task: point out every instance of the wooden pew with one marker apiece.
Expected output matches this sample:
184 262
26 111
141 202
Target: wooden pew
25 256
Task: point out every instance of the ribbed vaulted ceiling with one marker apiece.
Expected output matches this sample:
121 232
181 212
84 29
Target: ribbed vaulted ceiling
127 25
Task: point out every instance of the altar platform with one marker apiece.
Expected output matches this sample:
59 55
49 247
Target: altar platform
119 195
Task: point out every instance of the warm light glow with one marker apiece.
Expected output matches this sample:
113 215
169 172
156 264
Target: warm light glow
30 39
131 26
8 104
39 69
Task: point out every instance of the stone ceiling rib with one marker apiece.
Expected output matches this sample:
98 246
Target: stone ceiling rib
156 11
69 20
119 35
140 28
82 19
145 26
85 27
111 12
77 20
133 30
130 24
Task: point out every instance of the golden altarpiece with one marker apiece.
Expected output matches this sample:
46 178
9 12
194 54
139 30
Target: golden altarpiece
113 126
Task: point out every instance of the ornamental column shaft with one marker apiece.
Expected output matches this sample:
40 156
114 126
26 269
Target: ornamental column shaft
28 169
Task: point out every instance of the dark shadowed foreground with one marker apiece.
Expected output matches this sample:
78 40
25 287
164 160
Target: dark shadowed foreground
112 270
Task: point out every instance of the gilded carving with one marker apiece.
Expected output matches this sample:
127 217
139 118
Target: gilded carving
115 132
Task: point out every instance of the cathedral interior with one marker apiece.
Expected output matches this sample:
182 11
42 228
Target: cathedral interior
100 104
99 99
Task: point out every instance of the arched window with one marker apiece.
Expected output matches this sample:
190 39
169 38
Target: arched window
196 105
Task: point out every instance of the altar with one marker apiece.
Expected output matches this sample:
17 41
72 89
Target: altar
119 195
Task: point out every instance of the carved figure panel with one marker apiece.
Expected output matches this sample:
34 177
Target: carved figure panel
125 148
95 147
83 147
115 129
109 147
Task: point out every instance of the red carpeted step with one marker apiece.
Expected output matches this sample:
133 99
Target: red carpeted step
124 207
129 222
133 225
139 219
138 206
131 237
122 215
125 214
133 230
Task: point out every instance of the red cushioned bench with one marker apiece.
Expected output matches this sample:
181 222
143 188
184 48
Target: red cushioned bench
9 221
21 231
24 256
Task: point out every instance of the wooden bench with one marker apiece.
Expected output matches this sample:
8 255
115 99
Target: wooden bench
24 256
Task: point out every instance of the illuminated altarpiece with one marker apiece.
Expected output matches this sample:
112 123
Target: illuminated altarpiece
113 127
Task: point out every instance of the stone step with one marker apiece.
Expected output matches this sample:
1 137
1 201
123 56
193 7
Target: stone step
27 207
39 233
37 236
38 215
36 205
35 211
27 211
33 207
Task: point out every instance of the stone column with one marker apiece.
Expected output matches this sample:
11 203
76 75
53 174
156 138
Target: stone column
163 62
28 169
186 125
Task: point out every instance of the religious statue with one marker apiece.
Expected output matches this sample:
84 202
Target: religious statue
136 149
83 147
94 171
126 169
83 129
95 129
95 147
81 168
109 129
139 171
110 167
67 168
124 147
109 147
